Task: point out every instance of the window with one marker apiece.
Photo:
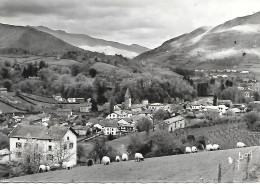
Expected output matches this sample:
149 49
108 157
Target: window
71 145
65 147
50 148
18 145
68 138
19 154
50 157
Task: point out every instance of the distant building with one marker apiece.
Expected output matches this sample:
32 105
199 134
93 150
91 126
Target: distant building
119 115
174 123
72 100
109 127
3 90
125 126
155 106
64 112
227 103
80 130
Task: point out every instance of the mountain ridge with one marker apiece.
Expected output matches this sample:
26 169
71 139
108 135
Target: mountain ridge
233 44
86 41
30 39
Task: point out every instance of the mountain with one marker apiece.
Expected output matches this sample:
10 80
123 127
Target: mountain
93 44
234 44
30 39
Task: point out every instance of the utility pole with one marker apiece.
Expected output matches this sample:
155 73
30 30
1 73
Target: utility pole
219 173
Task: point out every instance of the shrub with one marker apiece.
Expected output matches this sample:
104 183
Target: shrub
190 138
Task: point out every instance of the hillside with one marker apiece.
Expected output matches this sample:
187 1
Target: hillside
94 44
179 168
234 44
30 39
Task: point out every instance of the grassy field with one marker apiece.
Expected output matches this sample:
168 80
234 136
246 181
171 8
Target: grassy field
32 59
7 109
178 168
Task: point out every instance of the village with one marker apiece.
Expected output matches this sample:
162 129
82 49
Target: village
68 125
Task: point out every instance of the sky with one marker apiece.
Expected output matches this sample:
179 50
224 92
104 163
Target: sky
145 22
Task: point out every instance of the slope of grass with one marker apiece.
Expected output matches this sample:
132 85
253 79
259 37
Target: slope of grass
178 168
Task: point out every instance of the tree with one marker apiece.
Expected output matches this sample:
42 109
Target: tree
80 151
4 141
215 99
32 156
75 69
144 124
251 119
111 105
94 105
100 149
256 96
7 84
62 152
92 72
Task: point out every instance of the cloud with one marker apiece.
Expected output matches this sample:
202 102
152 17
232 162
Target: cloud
145 22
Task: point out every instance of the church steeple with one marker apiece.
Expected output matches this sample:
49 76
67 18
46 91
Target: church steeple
127 99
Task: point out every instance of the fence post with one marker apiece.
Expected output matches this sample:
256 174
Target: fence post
219 173
247 165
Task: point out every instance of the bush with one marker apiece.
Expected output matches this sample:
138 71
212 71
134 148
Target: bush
158 143
190 138
252 120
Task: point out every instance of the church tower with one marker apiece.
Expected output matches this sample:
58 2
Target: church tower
127 99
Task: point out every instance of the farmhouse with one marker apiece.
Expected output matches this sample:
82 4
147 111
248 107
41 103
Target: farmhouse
125 126
227 103
109 127
174 123
64 112
47 139
80 130
85 107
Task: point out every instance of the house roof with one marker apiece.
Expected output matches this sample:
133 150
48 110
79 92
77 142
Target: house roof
79 127
64 110
40 132
33 118
135 106
109 123
174 119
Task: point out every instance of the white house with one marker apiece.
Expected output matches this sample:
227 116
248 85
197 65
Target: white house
155 106
58 98
119 114
49 139
109 127
220 108
174 123
85 108
72 100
